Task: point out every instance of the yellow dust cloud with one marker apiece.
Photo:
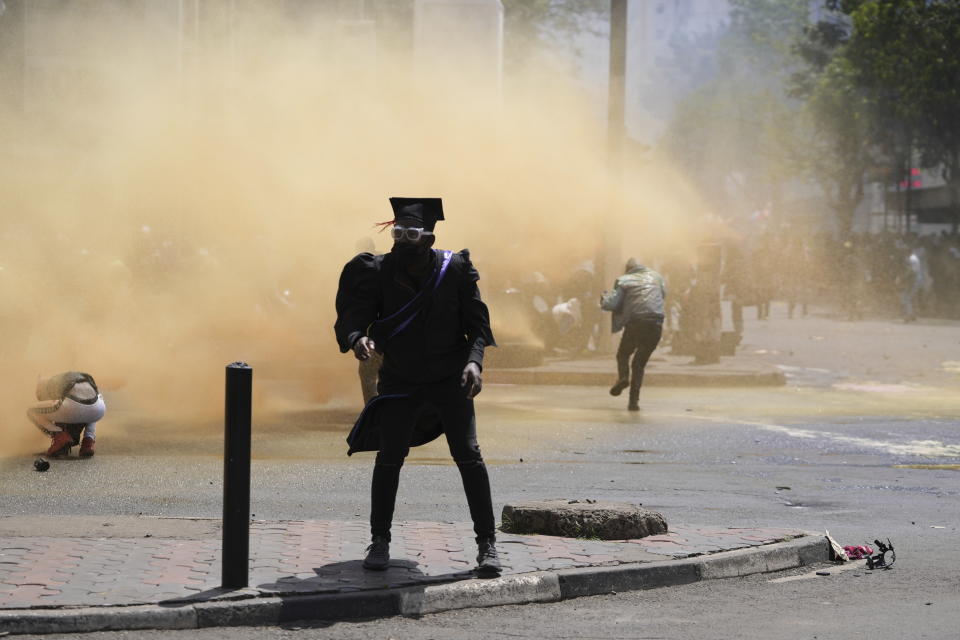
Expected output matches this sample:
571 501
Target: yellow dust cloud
169 210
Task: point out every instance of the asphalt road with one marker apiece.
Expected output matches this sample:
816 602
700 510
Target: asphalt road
837 449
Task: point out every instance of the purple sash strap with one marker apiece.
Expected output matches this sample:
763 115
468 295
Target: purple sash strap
447 256
438 277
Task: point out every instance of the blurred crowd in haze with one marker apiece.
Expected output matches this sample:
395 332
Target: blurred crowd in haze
885 275
864 275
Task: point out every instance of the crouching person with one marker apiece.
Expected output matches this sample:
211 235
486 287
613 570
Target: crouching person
70 405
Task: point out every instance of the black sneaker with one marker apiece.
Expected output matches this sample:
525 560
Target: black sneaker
378 554
633 406
618 388
488 564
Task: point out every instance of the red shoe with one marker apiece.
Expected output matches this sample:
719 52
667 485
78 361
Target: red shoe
86 448
62 441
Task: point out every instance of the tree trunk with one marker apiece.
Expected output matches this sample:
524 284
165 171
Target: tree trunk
849 194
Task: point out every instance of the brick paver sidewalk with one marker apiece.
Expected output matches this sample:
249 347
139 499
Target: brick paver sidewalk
310 557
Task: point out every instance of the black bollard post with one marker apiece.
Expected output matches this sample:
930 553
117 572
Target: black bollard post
236 477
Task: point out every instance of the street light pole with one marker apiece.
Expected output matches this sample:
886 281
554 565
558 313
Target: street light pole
609 260
616 127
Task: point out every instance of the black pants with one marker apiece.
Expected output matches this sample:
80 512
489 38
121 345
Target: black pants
640 338
460 429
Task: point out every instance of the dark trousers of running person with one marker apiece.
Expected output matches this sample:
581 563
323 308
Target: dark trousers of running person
460 428
640 338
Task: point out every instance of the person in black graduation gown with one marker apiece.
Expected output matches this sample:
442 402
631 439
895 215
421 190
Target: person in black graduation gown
421 309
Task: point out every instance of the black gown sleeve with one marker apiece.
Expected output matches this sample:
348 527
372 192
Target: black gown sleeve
474 315
357 300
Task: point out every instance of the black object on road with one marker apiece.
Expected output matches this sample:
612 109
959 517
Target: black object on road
40 464
885 558
236 477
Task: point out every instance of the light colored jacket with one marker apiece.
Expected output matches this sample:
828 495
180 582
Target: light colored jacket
637 295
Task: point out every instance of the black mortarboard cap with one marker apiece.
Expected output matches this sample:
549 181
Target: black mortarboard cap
424 210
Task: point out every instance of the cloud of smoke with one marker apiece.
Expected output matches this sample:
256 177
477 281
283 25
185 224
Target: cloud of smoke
166 213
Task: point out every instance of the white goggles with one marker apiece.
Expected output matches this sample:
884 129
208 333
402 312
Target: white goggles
413 234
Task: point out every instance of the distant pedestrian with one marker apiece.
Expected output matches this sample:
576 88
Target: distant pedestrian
764 259
369 368
637 305
796 275
736 284
914 281
855 275
70 405
702 315
421 309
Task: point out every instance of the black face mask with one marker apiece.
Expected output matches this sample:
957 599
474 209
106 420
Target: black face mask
408 253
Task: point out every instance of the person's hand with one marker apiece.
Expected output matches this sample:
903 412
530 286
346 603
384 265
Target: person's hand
471 380
363 347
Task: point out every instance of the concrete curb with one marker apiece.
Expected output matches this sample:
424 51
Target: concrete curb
546 586
86 619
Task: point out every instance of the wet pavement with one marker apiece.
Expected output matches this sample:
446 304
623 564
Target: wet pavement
662 370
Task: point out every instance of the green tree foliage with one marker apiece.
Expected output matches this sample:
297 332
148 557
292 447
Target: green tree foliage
869 84
904 55
838 119
881 80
